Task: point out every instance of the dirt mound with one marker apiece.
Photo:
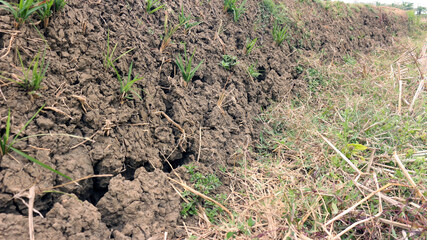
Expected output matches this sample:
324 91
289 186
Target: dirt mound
172 124
68 219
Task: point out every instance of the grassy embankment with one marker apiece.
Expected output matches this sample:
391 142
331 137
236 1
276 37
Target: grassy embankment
346 158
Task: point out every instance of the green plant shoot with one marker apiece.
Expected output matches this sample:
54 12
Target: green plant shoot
279 33
185 66
21 11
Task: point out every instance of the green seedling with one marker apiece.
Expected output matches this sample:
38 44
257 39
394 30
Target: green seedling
34 74
21 11
153 6
250 46
253 71
169 31
126 83
58 5
232 7
228 62
7 141
45 12
185 65
186 20
109 59
280 33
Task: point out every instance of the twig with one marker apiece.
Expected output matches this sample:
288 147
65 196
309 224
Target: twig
200 143
219 38
83 102
78 180
417 93
399 108
87 139
31 197
362 201
12 38
343 156
58 111
384 197
397 224
1 92
172 121
367 219
371 159
410 180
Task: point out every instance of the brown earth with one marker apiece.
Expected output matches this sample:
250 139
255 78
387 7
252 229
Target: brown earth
135 140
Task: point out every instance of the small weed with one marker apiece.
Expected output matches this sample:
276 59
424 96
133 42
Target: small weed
153 6
348 59
34 74
315 79
58 5
236 10
253 71
45 12
186 20
169 31
228 62
7 142
185 65
21 11
109 59
206 185
126 83
279 33
250 46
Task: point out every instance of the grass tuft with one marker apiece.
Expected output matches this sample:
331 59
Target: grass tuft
250 46
21 11
234 8
185 65
228 62
169 29
253 71
127 88
279 33
33 75
153 6
345 161
186 20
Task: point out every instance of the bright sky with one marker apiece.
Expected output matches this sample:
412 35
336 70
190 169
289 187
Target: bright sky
416 2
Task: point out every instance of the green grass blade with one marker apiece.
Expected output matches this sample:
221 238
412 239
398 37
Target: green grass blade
180 63
122 54
129 84
7 133
26 124
31 11
156 9
24 70
130 71
195 70
39 163
3 143
8 7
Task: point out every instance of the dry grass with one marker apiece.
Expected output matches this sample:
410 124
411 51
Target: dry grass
343 160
